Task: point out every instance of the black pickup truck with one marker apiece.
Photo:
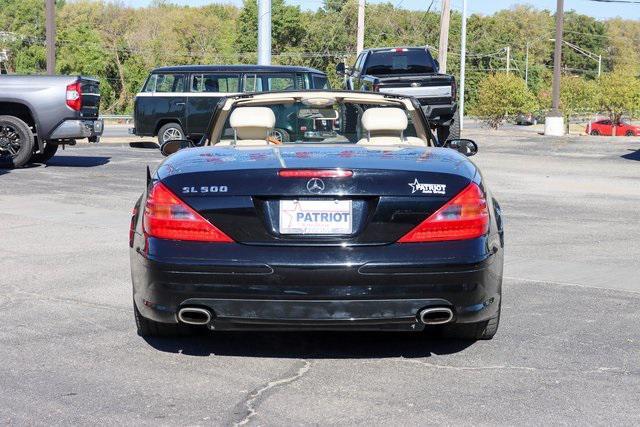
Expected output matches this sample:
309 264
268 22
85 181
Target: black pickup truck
408 71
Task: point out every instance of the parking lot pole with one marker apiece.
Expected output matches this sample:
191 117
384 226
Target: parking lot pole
264 32
360 33
443 43
463 60
554 124
50 34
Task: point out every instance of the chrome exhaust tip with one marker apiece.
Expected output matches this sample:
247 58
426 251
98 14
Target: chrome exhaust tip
435 316
194 316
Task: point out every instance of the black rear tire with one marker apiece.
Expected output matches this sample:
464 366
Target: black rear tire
473 331
447 133
50 150
169 132
629 133
16 142
150 328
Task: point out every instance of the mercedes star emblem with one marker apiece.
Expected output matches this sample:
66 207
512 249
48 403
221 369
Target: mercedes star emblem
315 185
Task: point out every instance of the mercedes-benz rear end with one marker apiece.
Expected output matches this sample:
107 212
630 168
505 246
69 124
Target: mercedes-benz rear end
280 238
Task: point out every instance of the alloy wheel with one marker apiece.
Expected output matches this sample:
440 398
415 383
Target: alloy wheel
171 134
10 142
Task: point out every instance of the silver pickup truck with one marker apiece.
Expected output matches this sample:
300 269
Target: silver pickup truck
40 113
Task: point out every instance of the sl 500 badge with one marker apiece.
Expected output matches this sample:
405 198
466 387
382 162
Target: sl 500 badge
205 189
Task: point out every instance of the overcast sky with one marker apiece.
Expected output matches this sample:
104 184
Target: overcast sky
588 7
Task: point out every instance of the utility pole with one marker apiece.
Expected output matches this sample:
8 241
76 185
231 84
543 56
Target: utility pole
360 34
264 32
508 59
554 124
463 61
445 14
526 67
50 31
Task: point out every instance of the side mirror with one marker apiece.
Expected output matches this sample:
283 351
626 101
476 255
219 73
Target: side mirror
467 147
437 63
169 147
340 68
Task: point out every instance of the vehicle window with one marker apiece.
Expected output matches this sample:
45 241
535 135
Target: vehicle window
320 82
215 83
358 65
170 83
269 82
150 85
252 83
338 123
283 82
400 61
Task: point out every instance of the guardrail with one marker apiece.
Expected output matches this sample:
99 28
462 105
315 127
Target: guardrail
123 117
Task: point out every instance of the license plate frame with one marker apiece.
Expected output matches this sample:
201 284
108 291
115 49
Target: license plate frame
315 217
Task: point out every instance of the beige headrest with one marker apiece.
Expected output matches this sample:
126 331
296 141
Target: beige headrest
252 122
381 119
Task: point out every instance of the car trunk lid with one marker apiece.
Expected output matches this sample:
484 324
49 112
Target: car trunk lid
386 193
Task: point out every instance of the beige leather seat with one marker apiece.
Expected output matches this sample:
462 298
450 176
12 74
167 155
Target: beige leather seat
251 126
386 126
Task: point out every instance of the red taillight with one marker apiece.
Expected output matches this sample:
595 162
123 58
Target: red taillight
376 87
74 96
168 217
466 216
315 173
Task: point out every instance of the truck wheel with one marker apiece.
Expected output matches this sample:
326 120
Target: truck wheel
16 142
447 133
169 132
473 331
50 150
149 328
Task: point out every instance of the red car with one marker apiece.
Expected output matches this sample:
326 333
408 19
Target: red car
607 128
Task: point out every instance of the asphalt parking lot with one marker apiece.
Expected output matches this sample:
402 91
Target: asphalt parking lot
567 352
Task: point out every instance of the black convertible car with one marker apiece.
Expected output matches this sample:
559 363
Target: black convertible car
373 227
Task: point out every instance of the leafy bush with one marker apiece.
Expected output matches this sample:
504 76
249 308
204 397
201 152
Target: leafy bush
620 94
577 95
501 96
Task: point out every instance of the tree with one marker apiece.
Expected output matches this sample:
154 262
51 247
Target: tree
620 94
587 33
577 95
503 95
287 27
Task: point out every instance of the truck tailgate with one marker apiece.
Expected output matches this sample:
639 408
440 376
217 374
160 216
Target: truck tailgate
90 98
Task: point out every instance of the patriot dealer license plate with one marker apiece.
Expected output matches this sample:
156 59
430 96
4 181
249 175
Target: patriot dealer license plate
316 217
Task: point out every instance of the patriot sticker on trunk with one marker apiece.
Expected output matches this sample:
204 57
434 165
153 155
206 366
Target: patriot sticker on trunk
316 217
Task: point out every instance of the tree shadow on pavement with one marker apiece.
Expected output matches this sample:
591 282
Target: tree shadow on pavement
78 161
632 155
311 345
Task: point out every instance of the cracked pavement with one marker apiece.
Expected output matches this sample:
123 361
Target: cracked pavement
567 352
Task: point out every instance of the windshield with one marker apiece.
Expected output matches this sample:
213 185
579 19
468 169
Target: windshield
302 121
399 61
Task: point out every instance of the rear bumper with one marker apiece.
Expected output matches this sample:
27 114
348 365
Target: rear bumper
74 129
366 288
439 114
